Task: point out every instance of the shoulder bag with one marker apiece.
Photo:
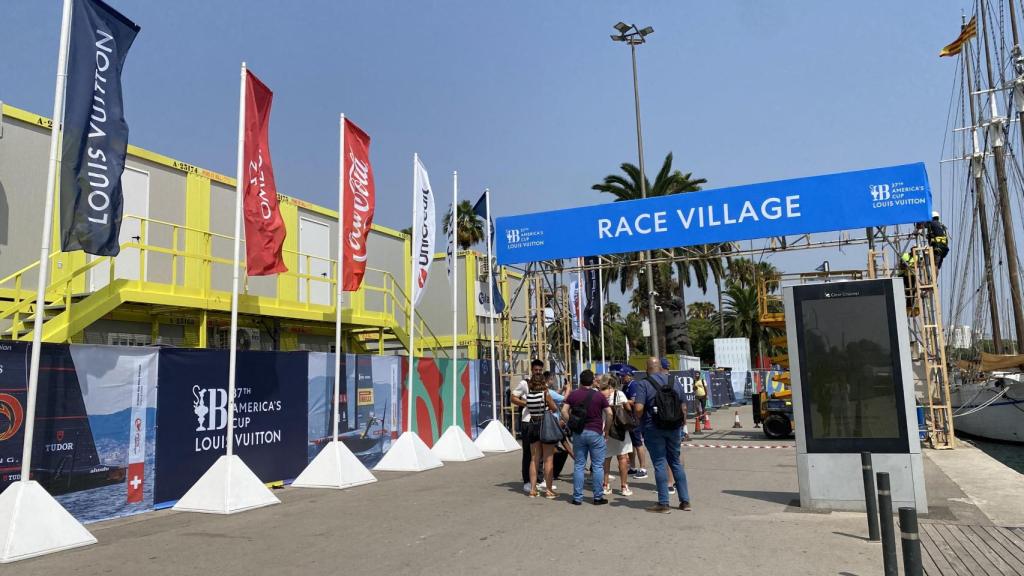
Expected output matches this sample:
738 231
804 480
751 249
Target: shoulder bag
623 420
550 427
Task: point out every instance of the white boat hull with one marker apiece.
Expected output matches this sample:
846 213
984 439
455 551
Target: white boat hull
1002 419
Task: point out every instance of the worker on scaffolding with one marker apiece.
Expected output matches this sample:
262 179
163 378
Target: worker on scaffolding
908 271
938 238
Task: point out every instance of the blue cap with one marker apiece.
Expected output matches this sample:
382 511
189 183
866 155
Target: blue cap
622 369
664 363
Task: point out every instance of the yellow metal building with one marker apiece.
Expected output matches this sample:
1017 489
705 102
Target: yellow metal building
171 283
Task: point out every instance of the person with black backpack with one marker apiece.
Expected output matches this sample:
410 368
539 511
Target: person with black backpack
660 406
589 417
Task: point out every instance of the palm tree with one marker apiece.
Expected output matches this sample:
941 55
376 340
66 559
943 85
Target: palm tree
469 228
705 261
746 272
666 182
700 310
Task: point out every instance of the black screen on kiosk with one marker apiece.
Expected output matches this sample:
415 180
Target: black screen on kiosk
850 378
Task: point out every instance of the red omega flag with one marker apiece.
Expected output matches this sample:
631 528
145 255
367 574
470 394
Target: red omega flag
357 210
264 227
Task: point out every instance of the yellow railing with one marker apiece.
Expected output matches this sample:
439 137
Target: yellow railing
192 273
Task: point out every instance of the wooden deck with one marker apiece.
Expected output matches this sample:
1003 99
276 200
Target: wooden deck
971 550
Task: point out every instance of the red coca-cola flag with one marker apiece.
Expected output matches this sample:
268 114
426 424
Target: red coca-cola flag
357 203
264 227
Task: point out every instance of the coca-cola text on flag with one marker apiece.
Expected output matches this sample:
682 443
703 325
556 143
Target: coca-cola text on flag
264 228
357 204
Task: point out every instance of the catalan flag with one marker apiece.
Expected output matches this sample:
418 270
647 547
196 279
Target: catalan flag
967 32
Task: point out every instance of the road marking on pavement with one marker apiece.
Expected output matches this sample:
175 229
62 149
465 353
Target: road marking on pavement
739 446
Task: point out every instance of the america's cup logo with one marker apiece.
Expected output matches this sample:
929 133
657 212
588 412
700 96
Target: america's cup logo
210 407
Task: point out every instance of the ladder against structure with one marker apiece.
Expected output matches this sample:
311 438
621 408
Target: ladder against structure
878 264
931 341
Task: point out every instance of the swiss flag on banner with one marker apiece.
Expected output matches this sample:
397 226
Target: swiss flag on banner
264 227
358 203
136 478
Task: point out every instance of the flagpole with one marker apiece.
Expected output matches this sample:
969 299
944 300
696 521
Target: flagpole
44 251
455 292
416 232
600 301
239 192
490 317
340 275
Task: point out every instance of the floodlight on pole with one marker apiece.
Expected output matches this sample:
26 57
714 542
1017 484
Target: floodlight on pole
633 36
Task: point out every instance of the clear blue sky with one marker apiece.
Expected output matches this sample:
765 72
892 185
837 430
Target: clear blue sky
529 98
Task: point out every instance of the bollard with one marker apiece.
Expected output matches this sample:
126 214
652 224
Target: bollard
885 519
911 542
870 503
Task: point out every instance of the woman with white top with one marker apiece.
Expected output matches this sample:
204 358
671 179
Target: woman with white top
620 449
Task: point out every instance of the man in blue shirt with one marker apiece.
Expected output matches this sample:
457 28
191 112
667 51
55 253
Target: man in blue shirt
636 435
663 445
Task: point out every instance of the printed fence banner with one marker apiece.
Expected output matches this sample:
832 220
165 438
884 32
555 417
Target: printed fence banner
432 397
720 387
367 422
741 385
95 437
686 378
271 409
485 405
843 201
13 384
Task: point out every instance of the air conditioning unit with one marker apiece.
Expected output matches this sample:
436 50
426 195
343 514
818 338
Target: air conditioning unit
483 268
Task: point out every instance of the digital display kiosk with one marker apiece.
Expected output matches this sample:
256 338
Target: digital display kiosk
853 392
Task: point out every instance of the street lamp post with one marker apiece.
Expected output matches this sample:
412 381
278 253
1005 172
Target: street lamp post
630 34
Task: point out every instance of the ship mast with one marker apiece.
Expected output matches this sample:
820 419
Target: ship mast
997 141
1018 68
978 171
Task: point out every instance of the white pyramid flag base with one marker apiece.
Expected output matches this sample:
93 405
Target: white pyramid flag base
32 523
497 438
334 467
229 486
456 446
408 454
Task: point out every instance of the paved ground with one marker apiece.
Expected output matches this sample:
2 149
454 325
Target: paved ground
472 518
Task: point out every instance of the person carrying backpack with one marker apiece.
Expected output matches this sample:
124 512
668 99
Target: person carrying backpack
589 417
660 406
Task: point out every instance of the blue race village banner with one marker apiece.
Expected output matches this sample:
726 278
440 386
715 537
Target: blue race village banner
844 201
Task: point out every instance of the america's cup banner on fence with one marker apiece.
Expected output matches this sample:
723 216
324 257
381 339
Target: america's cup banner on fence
422 231
844 201
95 131
264 227
359 204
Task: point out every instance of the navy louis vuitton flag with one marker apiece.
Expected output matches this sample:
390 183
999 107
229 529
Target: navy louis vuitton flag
95 138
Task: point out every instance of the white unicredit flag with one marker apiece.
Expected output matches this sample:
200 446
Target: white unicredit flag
422 231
